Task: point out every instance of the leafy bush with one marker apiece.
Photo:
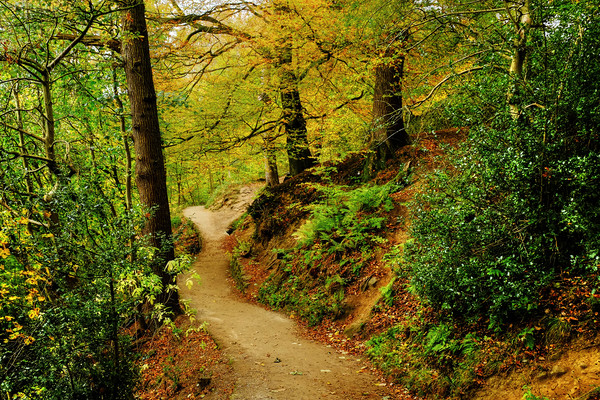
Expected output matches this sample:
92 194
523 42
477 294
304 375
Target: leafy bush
522 202
427 358
293 295
345 219
528 395
68 287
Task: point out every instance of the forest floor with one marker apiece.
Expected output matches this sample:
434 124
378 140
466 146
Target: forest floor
246 352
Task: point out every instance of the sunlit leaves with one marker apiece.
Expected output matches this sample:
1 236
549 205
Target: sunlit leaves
23 283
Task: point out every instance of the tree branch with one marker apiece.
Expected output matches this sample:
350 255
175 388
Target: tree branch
16 213
23 131
91 40
217 27
71 45
33 157
441 83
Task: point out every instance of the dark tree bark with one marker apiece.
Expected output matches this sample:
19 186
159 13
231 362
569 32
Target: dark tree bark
271 172
294 124
387 106
149 161
22 148
388 133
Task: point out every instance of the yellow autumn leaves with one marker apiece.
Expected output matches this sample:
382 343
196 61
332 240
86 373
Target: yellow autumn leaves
20 296
4 251
15 333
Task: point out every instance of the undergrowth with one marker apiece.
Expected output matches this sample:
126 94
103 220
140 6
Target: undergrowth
236 267
505 242
332 248
186 237
428 358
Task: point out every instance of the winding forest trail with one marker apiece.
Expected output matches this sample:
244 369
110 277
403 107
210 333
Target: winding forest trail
269 358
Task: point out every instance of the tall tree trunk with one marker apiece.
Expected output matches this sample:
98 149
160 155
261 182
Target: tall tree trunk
149 166
49 123
388 133
126 138
49 127
299 156
211 179
388 130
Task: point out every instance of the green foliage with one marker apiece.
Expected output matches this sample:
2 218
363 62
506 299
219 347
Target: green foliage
68 287
521 203
526 336
236 268
345 219
295 291
240 221
387 292
426 358
310 305
528 395
333 246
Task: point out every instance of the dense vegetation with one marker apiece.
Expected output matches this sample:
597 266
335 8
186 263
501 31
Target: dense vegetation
511 217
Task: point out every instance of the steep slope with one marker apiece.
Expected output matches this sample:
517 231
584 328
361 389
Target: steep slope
327 247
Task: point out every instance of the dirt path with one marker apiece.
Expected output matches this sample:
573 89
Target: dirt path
270 359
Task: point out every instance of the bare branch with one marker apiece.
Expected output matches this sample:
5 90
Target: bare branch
441 83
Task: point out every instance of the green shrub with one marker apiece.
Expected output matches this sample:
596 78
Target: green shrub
528 395
293 295
66 291
345 219
522 201
426 358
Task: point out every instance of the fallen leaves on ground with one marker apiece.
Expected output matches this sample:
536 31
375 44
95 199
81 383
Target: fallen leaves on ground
181 361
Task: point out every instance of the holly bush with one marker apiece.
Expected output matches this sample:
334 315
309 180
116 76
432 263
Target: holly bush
521 203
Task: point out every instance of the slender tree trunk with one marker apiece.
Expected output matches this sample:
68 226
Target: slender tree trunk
271 172
49 128
178 178
299 156
149 166
49 124
126 137
523 22
22 149
211 179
